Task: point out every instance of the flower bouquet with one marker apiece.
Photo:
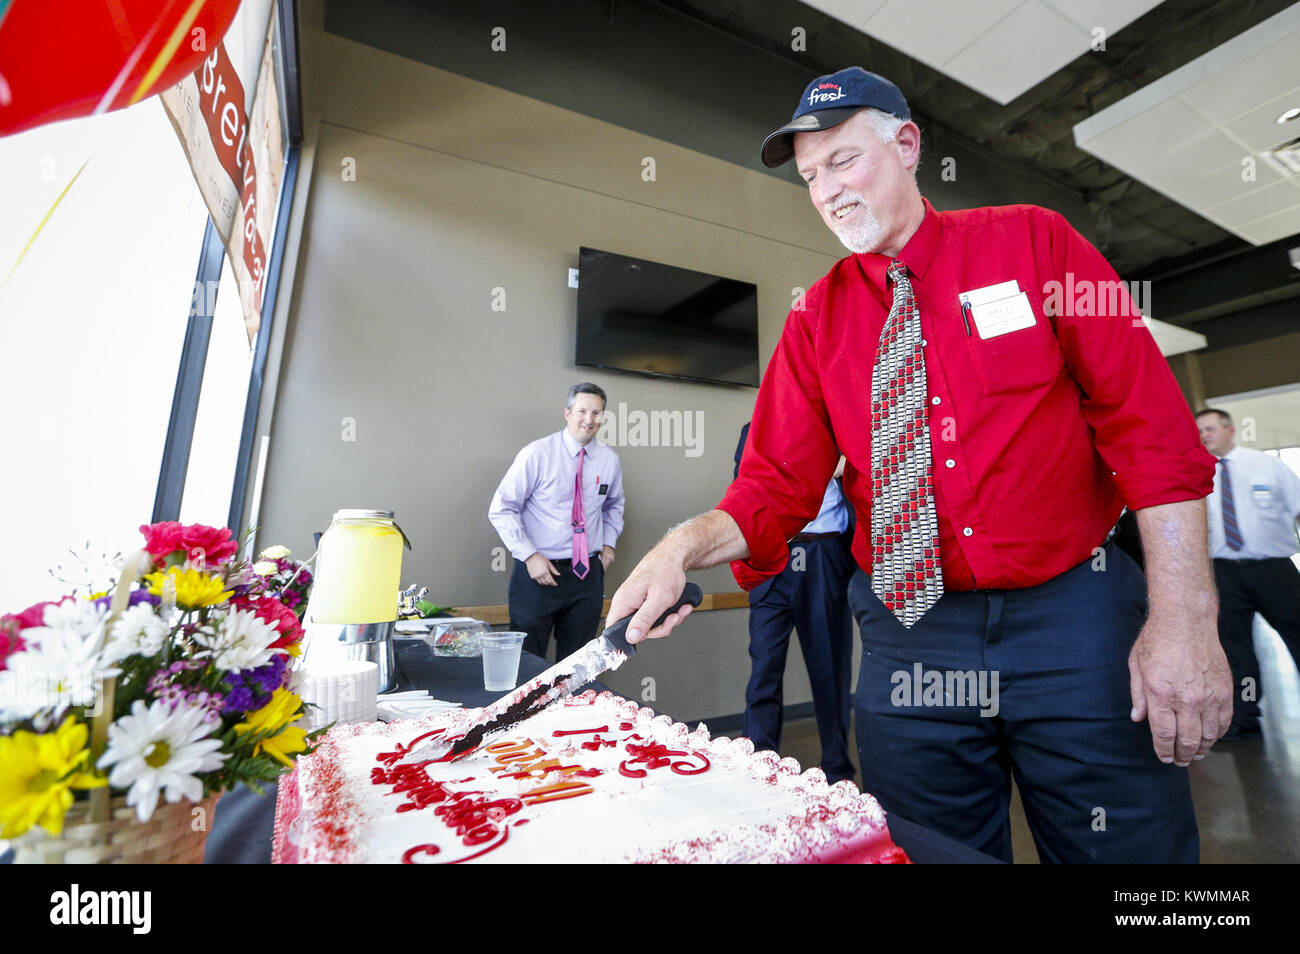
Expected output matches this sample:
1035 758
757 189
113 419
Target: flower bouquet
123 716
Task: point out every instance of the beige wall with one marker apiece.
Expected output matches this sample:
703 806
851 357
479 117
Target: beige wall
462 189
1251 367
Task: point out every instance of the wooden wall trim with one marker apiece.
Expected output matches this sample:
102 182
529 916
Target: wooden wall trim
499 614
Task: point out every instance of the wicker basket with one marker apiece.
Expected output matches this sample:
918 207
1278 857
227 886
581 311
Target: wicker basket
169 837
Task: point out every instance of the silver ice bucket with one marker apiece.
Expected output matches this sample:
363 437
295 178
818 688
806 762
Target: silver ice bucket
372 642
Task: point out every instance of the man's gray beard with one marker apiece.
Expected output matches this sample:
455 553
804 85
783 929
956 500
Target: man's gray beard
861 236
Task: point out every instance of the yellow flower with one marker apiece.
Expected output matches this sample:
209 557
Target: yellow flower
283 708
193 588
37 774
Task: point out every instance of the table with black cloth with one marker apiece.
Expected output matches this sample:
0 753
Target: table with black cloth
244 821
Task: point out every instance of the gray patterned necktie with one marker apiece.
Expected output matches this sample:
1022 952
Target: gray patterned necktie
907 575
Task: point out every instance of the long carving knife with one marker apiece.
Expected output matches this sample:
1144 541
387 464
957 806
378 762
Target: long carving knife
603 654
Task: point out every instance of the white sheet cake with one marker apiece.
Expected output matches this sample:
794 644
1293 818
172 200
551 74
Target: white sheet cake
593 778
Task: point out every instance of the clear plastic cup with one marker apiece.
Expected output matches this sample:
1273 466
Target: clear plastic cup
501 653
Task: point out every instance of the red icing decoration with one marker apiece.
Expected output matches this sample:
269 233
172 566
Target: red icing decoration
474 817
409 854
562 732
656 755
624 726
389 758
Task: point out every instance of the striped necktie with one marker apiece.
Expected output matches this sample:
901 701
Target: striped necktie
907 575
1231 530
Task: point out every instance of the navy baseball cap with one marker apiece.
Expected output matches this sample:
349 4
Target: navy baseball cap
827 102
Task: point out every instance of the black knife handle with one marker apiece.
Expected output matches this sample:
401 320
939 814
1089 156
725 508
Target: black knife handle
617 633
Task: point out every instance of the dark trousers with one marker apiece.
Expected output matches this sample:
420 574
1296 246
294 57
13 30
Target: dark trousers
810 594
1092 787
572 607
1246 587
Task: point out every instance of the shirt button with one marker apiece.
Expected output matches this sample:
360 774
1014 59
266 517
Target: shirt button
935 400
967 531
950 462
924 342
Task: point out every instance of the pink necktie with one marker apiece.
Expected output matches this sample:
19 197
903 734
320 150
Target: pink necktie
580 551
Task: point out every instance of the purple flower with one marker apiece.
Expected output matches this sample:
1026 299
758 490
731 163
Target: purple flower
238 700
271 676
252 688
136 597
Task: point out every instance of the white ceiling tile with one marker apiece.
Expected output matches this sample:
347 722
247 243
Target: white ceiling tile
1243 85
1257 204
1137 142
1280 225
1260 129
1186 134
1187 160
1112 15
1221 185
852 12
909 25
1031 43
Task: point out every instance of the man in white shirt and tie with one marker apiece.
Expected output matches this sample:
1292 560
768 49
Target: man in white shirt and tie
1252 515
559 510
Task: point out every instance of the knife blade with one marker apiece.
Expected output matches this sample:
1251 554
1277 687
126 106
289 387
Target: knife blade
603 654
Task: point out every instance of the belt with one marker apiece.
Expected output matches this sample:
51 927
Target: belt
592 556
1250 559
807 537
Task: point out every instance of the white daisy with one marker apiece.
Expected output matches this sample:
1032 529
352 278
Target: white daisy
265 568
83 618
241 641
159 750
138 632
60 666
276 552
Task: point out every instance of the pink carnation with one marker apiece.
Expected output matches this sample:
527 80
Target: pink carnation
212 545
10 641
34 615
272 611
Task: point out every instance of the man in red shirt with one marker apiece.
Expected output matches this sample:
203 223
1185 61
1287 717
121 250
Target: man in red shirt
998 402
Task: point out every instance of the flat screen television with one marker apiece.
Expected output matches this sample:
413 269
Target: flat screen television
663 321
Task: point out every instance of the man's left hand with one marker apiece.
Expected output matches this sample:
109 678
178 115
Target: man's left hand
607 556
1181 683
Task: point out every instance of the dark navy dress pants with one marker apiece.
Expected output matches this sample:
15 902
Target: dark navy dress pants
572 608
1057 719
810 595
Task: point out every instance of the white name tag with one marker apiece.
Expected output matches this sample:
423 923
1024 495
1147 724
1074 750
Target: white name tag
982 296
1000 317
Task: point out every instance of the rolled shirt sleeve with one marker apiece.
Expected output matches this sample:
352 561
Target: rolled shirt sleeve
1143 427
506 509
790 454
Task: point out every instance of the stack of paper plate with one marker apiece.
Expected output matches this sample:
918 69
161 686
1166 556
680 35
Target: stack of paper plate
341 691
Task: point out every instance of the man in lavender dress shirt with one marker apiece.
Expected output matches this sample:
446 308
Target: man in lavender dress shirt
561 550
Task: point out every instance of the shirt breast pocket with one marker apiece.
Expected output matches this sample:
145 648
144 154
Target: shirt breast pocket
1264 498
1018 360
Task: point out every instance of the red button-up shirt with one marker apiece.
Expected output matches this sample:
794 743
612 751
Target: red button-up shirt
1038 437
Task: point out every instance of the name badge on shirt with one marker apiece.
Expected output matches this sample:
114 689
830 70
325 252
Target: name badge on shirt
999 309
604 489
